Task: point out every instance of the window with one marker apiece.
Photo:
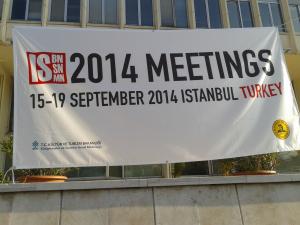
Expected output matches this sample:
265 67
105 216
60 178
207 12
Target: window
190 169
65 11
207 14
103 11
295 14
1 5
173 13
26 10
289 162
139 12
271 15
281 162
86 172
118 172
240 14
143 171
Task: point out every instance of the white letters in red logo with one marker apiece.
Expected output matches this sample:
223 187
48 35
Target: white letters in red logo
47 68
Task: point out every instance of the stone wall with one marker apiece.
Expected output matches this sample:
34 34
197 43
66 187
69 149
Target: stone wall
187 203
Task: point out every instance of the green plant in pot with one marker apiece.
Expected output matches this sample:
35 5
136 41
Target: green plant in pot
29 175
264 164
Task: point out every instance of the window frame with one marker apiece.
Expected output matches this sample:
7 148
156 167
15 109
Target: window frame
140 15
268 3
26 12
241 22
65 12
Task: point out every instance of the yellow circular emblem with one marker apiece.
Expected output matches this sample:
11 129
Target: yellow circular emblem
281 129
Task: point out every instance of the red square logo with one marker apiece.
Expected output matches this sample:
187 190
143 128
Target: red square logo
47 68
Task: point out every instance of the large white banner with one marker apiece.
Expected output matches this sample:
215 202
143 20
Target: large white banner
96 97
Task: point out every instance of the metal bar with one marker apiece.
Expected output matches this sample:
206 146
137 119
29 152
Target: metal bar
65 10
207 13
107 171
210 168
27 10
139 13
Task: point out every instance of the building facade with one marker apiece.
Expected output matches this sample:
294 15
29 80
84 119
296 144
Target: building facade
144 14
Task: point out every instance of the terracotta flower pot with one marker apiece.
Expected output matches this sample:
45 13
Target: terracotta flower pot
34 179
258 172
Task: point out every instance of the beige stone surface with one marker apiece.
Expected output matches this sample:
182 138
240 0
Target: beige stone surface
5 208
30 208
202 205
108 207
215 204
270 204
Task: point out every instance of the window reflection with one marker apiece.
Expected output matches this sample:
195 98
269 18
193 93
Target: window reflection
173 13
1 6
207 13
65 11
25 10
295 14
234 15
270 13
240 14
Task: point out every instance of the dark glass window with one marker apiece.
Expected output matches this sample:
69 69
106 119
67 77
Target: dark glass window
139 12
11 115
246 14
95 11
86 172
65 10
18 11
265 15
294 9
57 10
35 10
132 12
143 171
103 11
289 162
207 14
190 169
240 14
181 13
271 15
73 11
277 17
146 11
116 171
283 162
26 10
166 8
111 12
173 13
201 13
234 15
214 14
1 5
